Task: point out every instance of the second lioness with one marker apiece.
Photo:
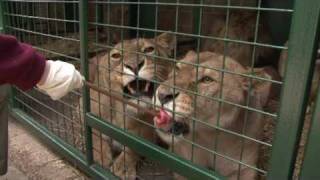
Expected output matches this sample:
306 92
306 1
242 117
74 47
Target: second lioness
226 128
129 69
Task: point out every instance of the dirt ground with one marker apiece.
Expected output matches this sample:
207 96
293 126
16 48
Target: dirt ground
268 133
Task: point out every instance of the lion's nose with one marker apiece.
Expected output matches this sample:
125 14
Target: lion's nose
165 98
135 68
179 128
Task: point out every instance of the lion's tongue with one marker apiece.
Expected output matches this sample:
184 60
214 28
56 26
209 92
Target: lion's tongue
162 118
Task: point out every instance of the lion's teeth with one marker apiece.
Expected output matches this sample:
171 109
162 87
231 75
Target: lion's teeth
147 86
131 90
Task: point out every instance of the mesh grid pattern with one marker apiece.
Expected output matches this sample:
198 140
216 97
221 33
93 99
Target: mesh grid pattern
141 51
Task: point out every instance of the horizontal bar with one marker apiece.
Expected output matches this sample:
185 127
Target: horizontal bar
222 100
70 153
40 18
16 99
189 63
41 1
149 150
196 5
42 34
45 106
56 53
189 35
115 95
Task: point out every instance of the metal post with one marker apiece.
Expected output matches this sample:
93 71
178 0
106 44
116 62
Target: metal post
3 115
310 166
296 88
3 130
83 14
1 18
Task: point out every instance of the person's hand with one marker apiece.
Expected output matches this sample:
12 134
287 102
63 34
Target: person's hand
59 78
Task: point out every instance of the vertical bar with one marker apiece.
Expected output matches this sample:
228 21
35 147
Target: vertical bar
133 17
69 15
310 167
99 16
279 23
1 17
3 130
147 17
83 14
305 25
4 7
3 113
199 26
196 20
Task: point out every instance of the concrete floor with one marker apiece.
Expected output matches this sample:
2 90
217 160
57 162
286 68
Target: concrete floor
14 174
29 159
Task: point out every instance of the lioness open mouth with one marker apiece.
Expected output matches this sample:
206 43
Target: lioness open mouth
166 123
138 88
179 128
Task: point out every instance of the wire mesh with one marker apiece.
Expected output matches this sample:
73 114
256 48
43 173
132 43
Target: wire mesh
209 66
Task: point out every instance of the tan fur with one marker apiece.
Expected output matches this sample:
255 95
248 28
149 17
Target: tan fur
241 27
114 74
235 89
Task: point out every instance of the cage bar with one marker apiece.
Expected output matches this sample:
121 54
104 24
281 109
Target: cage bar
311 159
78 31
292 110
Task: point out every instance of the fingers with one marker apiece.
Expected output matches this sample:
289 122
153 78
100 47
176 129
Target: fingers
61 79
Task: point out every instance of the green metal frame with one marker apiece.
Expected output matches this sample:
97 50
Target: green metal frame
3 129
1 18
139 145
290 117
3 118
296 88
63 148
311 161
152 151
83 10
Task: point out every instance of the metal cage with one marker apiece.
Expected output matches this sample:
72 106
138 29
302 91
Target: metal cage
113 40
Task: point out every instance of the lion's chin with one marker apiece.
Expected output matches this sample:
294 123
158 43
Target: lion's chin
167 137
169 128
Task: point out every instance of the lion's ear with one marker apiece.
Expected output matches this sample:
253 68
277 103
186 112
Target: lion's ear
166 40
189 58
260 88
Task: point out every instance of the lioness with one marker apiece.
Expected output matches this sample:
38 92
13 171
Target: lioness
180 104
126 72
241 30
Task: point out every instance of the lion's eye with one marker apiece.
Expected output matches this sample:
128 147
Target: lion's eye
206 79
148 49
116 55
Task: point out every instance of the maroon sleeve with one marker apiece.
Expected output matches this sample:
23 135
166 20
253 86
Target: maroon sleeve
20 64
